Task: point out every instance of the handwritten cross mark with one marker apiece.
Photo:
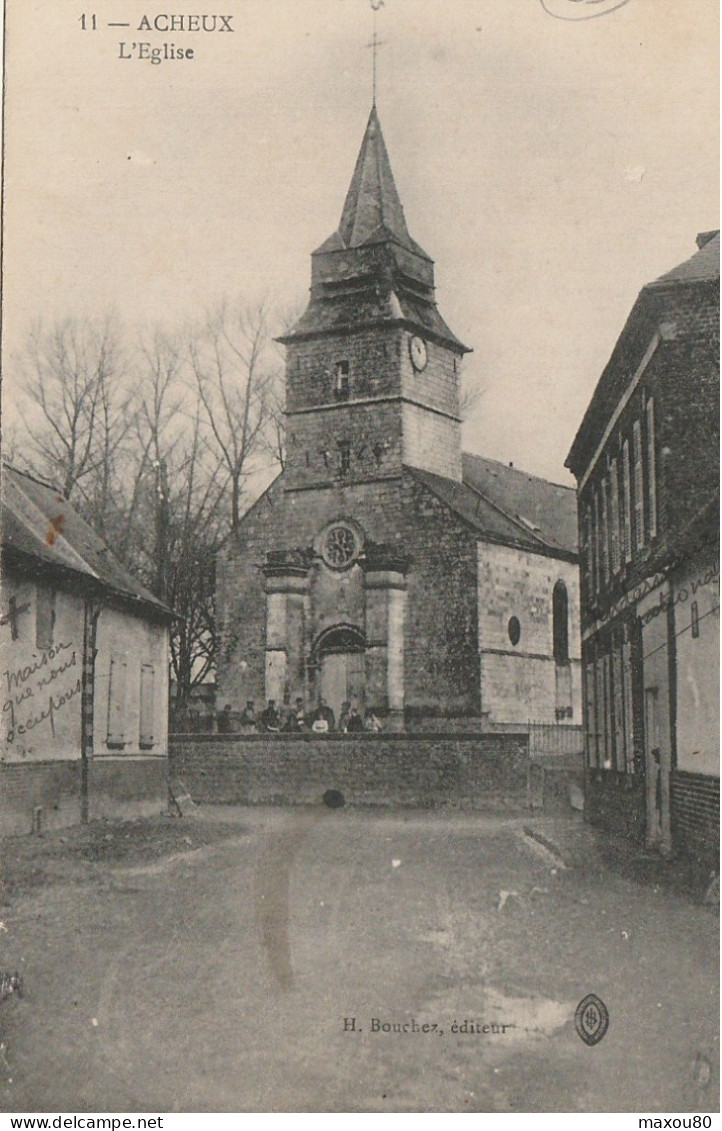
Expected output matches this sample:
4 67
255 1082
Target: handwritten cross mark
11 616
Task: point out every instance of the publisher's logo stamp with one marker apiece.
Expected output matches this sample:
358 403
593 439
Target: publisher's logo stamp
591 1019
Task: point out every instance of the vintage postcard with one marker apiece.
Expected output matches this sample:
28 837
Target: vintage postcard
360 559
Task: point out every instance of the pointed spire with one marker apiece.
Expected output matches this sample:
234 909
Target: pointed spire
372 202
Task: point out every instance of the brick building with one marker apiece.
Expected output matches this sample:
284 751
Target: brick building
85 679
646 458
383 566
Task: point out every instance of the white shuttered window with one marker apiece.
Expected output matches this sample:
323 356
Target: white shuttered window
116 699
147 705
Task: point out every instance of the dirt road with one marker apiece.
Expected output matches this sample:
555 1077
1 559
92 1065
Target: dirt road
293 963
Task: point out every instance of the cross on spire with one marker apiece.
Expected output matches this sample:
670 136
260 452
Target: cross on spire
375 44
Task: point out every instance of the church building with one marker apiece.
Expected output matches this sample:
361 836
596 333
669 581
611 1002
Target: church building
385 567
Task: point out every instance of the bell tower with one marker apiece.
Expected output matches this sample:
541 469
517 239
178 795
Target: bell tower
372 371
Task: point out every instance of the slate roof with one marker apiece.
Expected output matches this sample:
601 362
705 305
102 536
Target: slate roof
701 267
645 316
372 211
39 523
382 283
371 306
510 506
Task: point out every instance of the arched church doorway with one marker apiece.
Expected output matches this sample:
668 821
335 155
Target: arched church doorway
339 655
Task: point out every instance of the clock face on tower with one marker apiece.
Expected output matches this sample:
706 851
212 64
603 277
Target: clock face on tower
418 353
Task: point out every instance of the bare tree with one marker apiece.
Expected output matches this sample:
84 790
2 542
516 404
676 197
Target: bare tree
177 511
79 407
471 393
155 442
237 384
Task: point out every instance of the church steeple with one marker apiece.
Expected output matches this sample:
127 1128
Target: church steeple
372 209
372 369
371 271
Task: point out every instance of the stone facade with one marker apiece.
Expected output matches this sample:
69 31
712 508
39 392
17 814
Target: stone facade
356 577
455 771
422 598
515 584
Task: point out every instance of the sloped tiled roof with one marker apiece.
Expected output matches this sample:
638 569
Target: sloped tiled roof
701 270
510 506
701 267
38 522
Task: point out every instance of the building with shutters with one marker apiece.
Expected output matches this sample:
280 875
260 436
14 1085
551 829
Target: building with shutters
85 671
646 458
385 567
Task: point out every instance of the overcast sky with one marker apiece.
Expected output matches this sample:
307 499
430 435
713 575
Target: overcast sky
549 166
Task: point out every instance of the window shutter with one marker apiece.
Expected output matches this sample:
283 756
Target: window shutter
595 542
116 700
614 514
618 705
604 532
607 700
44 616
560 623
587 550
588 675
627 503
638 485
599 704
651 469
147 705
627 692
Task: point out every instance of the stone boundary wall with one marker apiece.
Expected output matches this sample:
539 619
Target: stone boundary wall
404 770
55 787
127 787
123 786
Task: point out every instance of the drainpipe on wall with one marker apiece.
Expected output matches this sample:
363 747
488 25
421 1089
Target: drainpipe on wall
90 633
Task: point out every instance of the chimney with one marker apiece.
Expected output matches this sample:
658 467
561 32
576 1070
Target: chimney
705 237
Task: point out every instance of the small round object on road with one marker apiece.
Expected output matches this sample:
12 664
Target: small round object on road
334 799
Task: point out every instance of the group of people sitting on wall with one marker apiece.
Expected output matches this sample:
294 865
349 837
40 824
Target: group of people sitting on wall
291 720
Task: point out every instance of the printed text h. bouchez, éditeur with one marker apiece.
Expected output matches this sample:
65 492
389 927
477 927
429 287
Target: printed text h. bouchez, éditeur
465 1026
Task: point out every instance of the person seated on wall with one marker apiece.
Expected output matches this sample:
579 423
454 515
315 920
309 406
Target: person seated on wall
294 720
248 714
344 716
355 722
223 720
323 719
371 722
299 713
269 719
289 722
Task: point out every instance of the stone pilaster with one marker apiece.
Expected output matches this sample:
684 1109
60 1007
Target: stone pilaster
385 584
286 588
